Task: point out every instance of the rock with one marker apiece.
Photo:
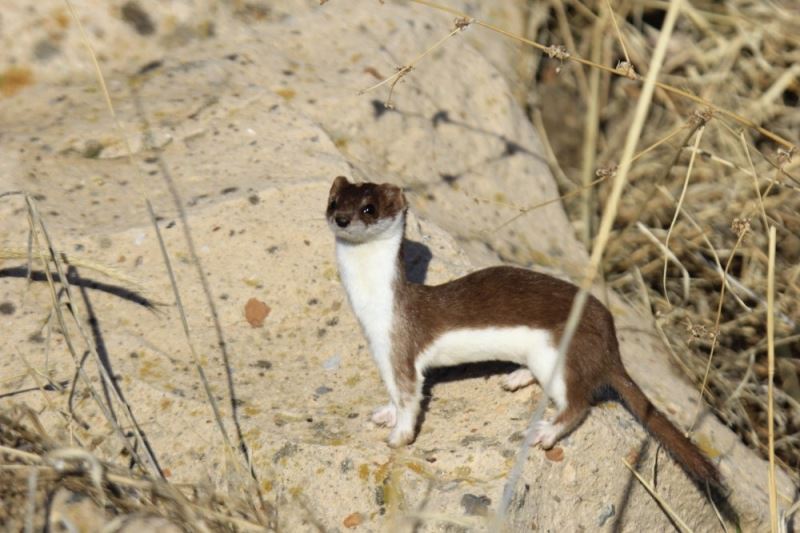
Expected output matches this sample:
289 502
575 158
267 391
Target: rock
332 363
353 520
242 116
607 512
475 505
555 454
255 311
319 391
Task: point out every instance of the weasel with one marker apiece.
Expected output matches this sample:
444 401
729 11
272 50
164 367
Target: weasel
498 313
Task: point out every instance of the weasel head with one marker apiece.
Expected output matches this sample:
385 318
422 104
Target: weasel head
363 212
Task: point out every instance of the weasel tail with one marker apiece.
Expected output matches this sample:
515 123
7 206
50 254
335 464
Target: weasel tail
497 313
680 447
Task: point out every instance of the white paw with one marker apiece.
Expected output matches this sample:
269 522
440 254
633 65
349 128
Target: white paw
545 433
385 416
517 379
400 437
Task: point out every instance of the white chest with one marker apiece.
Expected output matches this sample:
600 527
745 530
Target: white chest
368 273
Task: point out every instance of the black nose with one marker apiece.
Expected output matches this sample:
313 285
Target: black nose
342 222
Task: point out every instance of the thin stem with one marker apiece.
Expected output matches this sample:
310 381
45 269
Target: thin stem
619 33
621 72
773 491
716 329
405 69
678 209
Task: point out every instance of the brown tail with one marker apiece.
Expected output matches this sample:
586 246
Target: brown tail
682 449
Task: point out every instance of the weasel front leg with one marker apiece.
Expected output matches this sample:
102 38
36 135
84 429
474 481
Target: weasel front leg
387 414
407 412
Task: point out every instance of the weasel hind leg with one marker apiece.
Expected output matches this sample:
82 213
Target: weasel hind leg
519 378
547 432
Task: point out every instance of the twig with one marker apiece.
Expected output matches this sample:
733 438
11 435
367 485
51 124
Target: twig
552 160
563 26
609 214
642 107
34 219
661 502
715 339
68 259
101 80
519 466
229 448
730 280
619 33
30 507
254 485
668 256
182 313
590 134
755 180
405 69
693 126
620 72
524 211
697 138
603 174
773 491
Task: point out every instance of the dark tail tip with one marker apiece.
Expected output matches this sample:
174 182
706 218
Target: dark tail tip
684 451
718 494
701 470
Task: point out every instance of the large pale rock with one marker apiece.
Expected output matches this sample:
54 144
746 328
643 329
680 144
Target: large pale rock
250 125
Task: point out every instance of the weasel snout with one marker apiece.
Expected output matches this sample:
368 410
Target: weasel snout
363 212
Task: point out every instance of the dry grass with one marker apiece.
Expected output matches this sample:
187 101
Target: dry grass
39 464
706 211
689 234
601 241
143 488
731 82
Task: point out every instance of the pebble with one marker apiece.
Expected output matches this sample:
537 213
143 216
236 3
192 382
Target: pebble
475 505
332 363
607 512
322 390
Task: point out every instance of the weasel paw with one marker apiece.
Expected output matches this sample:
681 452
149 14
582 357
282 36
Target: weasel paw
400 437
545 433
385 416
517 379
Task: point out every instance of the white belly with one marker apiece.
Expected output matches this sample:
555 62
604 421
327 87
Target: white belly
530 347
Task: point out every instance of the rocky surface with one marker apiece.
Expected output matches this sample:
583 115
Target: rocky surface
243 113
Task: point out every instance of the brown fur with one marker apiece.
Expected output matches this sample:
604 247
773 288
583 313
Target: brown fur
348 200
505 297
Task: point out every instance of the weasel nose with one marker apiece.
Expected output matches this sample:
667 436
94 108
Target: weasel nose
342 222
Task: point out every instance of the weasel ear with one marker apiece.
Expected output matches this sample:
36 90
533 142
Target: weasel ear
397 200
338 183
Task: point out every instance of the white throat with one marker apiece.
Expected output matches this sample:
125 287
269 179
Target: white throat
368 271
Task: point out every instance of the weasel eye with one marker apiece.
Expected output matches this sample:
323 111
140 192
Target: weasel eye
332 205
368 209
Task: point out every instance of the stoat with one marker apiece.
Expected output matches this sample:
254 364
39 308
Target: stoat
498 313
